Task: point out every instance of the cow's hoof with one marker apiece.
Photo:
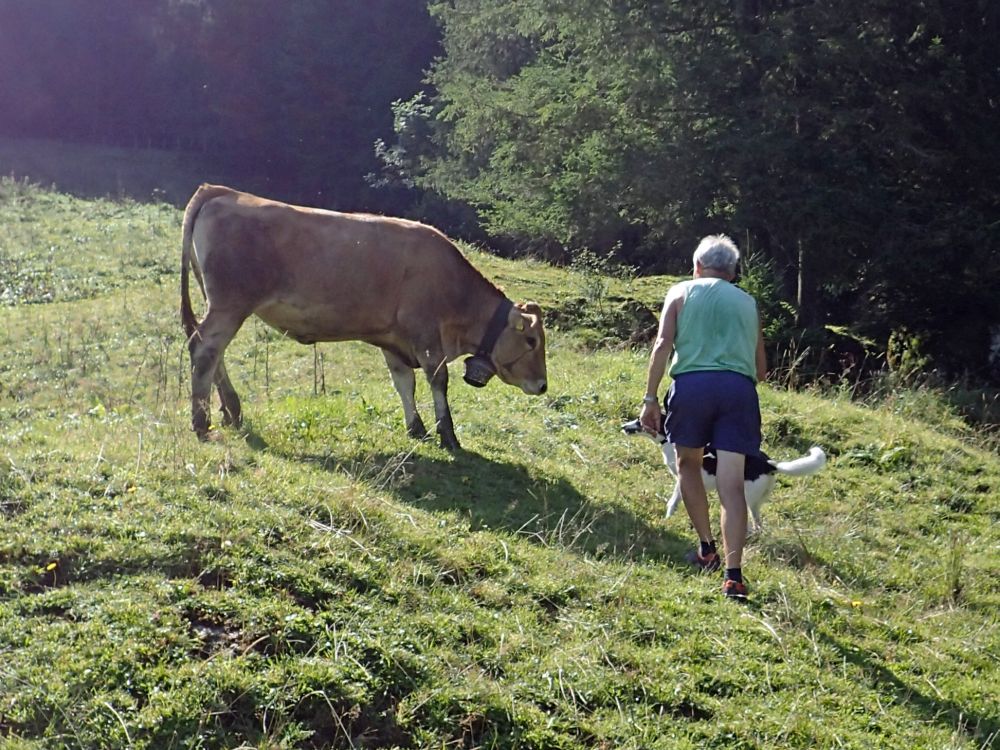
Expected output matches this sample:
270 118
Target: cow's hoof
450 443
209 436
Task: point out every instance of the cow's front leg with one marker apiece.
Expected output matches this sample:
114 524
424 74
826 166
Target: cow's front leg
405 381
437 376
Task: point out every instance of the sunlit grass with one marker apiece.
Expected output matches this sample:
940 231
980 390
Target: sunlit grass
322 580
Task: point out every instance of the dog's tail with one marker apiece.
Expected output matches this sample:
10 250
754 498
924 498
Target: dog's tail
800 467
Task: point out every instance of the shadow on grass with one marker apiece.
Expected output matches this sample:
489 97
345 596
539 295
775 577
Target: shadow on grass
508 497
796 554
946 713
253 438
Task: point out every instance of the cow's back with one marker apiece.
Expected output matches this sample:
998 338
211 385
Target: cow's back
324 275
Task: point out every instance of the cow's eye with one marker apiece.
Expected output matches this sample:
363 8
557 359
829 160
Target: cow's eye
532 341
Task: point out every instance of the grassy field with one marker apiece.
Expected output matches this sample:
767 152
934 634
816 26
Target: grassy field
320 580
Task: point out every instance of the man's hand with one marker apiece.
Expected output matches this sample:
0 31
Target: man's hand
650 417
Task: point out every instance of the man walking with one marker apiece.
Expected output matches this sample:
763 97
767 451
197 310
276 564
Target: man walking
712 329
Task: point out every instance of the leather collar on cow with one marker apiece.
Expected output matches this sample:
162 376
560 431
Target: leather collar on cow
495 327
479 368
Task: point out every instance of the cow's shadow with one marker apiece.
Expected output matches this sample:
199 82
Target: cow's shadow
510 497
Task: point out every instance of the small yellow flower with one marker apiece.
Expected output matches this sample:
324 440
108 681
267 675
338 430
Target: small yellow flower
856 603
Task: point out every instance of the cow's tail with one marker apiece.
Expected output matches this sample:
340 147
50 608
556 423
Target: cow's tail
204 194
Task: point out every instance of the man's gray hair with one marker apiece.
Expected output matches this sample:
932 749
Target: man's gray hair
717 252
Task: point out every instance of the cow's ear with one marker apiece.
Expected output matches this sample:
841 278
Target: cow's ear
527 310
515 319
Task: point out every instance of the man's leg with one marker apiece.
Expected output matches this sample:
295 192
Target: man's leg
729 478
693 490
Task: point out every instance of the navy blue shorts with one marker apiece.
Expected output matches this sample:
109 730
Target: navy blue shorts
720 408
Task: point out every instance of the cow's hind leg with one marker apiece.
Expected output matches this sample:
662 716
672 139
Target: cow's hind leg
232 411
405 381
207 345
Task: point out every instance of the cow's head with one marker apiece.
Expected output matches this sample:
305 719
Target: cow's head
519 354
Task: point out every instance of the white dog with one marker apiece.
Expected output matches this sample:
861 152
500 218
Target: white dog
759 473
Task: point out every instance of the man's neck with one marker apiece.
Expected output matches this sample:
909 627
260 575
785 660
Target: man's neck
712 273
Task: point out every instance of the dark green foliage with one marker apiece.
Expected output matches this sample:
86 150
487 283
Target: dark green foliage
851 142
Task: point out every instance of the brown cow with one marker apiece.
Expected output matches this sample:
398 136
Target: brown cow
320 275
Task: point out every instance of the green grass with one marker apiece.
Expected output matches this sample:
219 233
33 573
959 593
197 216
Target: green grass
321 580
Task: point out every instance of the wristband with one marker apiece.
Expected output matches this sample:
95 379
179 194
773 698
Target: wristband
650 400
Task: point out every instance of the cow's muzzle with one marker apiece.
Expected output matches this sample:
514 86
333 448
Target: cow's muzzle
478 370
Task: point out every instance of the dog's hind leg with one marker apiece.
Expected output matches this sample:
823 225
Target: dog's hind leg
670 460
755 524
757 492
674 500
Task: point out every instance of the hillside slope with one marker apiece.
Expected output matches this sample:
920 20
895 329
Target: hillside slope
323 581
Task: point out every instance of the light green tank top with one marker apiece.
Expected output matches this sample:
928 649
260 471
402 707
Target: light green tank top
717 329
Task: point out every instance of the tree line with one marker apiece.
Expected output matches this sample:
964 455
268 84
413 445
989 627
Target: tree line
847 145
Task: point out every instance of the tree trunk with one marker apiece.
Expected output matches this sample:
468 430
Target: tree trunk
805 293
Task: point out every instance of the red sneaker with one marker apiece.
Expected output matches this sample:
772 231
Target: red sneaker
708 563
734 590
